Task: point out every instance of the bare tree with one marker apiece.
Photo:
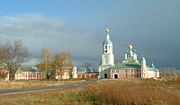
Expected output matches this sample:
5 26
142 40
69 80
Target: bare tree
168 72
62 63
45 63
13 55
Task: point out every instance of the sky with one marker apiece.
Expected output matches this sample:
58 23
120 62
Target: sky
78 27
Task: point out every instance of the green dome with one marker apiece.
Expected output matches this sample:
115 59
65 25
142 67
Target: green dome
107 41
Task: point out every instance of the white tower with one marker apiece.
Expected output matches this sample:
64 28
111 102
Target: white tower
108 56
144 72
74 72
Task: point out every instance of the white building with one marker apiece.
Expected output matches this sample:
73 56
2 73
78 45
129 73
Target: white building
107 56
74 73
128 68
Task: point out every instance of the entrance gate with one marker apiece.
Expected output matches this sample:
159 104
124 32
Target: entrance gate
115 76
105 75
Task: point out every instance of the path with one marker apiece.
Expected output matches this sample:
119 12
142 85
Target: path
27 90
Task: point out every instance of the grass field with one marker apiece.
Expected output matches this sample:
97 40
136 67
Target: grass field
104 92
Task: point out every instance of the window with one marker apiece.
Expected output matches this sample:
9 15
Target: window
105 47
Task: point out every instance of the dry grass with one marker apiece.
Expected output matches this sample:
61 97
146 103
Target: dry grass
66 96
105 92
6 85
134 92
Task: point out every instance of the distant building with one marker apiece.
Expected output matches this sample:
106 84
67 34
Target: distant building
130 67
93 75
87 70
65 72
74 73
25 75
87 73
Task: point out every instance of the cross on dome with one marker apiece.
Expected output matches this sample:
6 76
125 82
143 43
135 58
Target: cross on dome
130 47
107 30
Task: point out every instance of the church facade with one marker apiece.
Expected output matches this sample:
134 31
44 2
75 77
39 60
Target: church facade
130 67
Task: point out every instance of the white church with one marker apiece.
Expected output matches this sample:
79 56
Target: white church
130 67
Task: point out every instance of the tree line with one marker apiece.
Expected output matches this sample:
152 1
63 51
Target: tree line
61 62
169 72
14 54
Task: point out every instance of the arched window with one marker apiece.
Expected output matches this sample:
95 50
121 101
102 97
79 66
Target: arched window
105 49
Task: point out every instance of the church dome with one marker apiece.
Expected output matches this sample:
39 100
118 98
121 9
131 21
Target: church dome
107 41
130 46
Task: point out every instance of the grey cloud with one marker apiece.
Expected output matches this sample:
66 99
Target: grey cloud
39 31
156 38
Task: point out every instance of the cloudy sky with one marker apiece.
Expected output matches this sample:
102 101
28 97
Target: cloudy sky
77 26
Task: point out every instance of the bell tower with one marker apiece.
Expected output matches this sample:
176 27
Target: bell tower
107 56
